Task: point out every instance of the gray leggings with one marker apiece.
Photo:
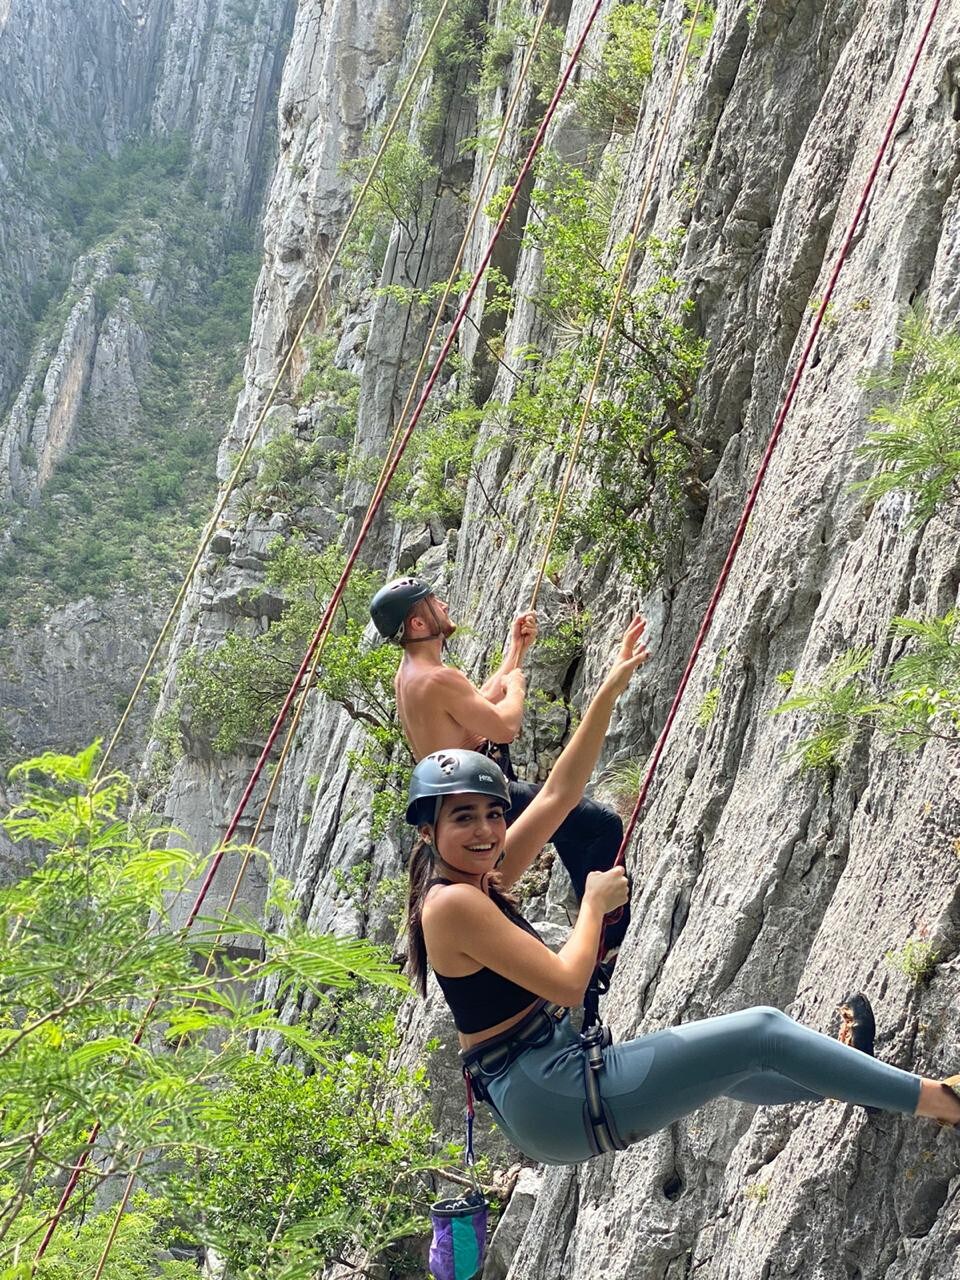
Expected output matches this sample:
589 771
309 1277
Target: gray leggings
758 1055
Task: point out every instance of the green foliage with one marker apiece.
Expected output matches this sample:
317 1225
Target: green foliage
121 511
563 643
916 960
512 29
401 193
710 702
323 380
320 1160
758 1192
76 1248
438 464
638 447
233 693
96 198
918 444
840 706
918 698
87 937
457 53
702 29
709 706
623 781
612 97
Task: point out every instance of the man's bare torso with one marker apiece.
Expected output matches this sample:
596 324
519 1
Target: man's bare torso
426 722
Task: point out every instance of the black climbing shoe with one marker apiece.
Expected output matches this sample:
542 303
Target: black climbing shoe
858 1028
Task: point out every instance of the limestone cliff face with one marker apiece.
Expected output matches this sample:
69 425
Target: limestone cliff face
754 883
84 302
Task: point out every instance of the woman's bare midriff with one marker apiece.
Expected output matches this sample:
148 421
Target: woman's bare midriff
478 1037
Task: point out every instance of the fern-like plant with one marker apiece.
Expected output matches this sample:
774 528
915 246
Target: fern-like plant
840 706
918 444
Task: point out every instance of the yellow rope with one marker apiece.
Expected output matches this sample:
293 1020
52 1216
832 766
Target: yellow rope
618 295
314 667
252 438
471 224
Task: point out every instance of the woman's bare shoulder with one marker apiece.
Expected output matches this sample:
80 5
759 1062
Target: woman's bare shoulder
456 901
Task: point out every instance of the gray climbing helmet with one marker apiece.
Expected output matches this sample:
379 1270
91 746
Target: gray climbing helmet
451 773
391 606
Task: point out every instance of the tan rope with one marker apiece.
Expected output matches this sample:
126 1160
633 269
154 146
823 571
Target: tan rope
254 433
314 667
471 224
618 295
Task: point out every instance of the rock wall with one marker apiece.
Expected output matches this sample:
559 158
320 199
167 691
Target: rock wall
80 309
754 882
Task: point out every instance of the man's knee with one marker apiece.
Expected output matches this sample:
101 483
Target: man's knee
601 829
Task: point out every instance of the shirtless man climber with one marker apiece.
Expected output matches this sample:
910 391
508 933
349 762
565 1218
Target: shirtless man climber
440 708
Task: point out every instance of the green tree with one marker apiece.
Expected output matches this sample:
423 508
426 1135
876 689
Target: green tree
106 1017
233 693
334 1158
918 444
639 449
613 95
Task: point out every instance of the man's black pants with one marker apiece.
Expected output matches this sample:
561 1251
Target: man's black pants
587 840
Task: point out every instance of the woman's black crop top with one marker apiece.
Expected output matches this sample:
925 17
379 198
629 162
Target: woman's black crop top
482 999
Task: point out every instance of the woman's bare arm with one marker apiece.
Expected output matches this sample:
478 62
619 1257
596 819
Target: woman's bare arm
463 929
563 790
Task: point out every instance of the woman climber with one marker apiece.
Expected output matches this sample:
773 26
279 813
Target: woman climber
509 993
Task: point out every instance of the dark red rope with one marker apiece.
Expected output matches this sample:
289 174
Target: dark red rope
375 504
771 445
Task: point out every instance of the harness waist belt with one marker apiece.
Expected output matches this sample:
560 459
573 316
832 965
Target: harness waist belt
490 1059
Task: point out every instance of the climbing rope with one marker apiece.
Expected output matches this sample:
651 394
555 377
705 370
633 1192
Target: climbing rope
772 442
375 504
448 289
468 232
271 395
615 307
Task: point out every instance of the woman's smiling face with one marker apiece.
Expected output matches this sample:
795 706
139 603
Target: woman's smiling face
470 833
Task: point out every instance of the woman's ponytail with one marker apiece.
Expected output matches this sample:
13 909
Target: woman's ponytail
420 869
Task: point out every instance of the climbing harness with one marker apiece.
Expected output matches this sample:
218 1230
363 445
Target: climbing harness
594 1038
459 1242
489 1060
322 631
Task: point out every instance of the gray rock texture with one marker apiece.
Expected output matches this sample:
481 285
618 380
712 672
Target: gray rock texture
754 882
77 83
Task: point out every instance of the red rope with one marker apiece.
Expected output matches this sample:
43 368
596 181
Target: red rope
375 504
771 445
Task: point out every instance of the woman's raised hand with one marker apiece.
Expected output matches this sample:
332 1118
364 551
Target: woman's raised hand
633 653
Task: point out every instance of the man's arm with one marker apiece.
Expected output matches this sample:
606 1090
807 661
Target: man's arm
523 633
499 722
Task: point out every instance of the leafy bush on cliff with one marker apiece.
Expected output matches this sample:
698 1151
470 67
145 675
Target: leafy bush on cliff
918 444
89 937
640 446
916 700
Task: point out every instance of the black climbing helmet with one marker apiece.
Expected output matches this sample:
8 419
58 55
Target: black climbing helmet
391 606
451 773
